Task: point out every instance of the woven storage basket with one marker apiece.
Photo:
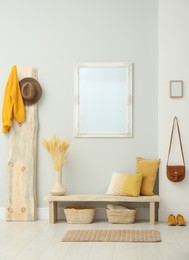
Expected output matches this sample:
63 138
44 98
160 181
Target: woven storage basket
121 216
79 215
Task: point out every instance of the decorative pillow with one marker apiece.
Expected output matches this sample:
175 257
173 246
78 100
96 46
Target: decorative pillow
125 184
149 168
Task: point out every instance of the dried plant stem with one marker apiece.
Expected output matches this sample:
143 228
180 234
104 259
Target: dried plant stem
58 150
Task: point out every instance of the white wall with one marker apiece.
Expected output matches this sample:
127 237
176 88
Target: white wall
173 65
51 35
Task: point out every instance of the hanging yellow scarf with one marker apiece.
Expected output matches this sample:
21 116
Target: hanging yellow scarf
13 105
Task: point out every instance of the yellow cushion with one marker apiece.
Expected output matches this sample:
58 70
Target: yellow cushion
149 168
125 184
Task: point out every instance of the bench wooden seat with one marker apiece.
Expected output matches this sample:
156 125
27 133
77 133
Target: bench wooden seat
53 200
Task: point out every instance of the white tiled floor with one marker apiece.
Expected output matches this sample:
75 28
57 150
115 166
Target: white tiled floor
40 240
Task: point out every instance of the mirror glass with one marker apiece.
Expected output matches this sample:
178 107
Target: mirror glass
103 99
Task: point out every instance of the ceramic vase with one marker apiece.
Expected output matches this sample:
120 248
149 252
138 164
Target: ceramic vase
58 188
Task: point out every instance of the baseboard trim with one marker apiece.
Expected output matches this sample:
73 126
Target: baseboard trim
2 213
43 213
164 213
142 213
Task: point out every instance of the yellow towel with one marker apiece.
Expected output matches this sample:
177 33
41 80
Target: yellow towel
13 105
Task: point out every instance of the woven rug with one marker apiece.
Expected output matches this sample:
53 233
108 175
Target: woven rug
112 236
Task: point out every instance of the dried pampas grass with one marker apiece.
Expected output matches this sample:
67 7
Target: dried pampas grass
58 149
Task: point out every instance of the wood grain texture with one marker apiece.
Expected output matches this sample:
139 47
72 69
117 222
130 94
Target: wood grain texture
21 171
40 241
103 197
52 200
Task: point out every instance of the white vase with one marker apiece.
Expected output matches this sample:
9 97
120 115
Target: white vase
58 188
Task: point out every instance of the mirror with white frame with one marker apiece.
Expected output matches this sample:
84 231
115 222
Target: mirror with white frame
103 99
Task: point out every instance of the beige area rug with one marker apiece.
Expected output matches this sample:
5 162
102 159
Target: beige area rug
112 236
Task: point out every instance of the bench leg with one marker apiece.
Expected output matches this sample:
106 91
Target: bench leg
53 212
152 213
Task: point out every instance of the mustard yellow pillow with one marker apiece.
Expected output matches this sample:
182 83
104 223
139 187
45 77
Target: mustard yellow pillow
125 184
149 168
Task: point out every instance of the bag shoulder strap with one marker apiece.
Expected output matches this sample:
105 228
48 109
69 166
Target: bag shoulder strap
175 120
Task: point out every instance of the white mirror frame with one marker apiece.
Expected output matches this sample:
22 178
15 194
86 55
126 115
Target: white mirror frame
127 132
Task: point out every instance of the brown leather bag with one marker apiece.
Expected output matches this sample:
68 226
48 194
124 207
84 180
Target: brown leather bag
175 173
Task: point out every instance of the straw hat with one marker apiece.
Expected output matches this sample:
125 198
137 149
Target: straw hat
31 91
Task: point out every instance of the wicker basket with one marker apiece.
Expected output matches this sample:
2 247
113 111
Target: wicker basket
79 215
121 216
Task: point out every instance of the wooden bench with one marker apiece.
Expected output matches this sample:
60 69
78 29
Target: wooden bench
53 200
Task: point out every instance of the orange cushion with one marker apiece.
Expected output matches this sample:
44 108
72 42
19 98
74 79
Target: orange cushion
149 168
